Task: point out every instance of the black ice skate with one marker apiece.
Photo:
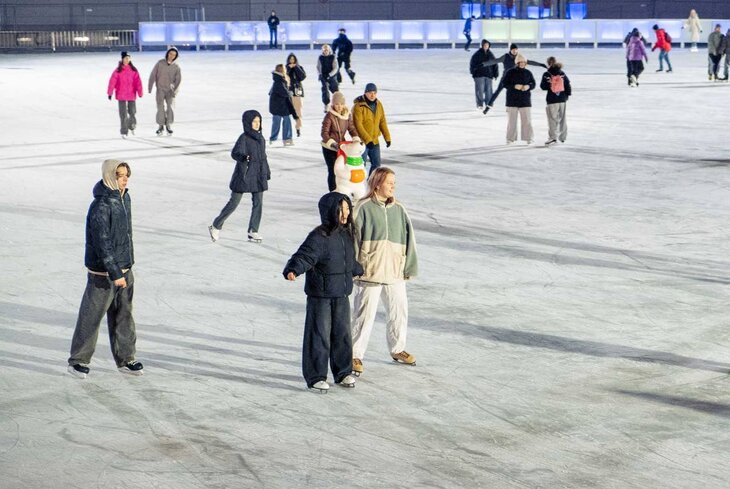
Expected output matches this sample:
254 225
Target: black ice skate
132 368
78 370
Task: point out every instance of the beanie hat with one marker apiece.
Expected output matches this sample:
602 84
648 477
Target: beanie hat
338 98
124 54
370 87
655 27
520 59
513 46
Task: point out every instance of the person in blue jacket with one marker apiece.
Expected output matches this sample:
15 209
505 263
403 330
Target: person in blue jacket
467 32
327 256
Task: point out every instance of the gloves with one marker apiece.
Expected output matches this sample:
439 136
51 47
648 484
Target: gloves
370 145
296 117
387 144
109 97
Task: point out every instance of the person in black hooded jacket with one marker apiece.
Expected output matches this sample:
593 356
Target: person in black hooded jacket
508 61
281 106
251 175
327 257
483 75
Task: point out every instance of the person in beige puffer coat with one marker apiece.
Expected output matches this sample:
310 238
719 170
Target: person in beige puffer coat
166 74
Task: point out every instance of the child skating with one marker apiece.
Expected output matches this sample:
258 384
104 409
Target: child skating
327 257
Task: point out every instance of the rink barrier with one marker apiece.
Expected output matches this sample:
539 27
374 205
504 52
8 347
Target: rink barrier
67 40
412 33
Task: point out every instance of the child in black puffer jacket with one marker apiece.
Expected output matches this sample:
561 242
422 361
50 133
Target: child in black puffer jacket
327 257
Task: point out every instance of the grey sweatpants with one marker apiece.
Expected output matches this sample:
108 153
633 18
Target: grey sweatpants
165 103
102 297
127 116
525 124
257 201
557 127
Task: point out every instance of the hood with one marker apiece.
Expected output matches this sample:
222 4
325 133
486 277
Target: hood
342 36
329 210
276 76
292 55
109 173
247 121
344 117
174 50
556 69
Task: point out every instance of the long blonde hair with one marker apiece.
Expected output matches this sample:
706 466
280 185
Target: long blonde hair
376 179
282 71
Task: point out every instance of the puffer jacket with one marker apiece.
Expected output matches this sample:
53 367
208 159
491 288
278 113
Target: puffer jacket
109 247
477 67
369 124
279 97
327 256
518 76
126 84
635 50
385 244
335 126
252 172
661 41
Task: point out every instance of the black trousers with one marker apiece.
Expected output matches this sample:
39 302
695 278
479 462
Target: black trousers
329 158
344 61
327 338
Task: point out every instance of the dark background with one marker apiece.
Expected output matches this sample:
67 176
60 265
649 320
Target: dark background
125 14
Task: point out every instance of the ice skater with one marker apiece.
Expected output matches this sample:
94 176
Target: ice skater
126 84
337 123
508 62
558 88
296 75
327 257
109 282
635 52
664 45
368 115
166 75
483 75
725 51
342 47
273 23
385 246
467 32
281 106
519 83
693 25
714 54
327 68
251 175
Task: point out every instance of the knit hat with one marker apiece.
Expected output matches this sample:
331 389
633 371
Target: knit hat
513 46
124 54
520 59
370 87
655 27
338 98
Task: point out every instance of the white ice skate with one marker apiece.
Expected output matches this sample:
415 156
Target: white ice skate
255 237
214 233
322 387
348 381
634 81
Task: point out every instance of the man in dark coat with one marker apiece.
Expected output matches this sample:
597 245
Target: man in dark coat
327 257
273 22
251 175
110 283
508 62
519 82
342 47
483 75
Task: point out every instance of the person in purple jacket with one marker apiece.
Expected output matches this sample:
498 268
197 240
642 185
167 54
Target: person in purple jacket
635 52
127 84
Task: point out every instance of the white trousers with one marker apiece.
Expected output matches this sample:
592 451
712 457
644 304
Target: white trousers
525 124
367 296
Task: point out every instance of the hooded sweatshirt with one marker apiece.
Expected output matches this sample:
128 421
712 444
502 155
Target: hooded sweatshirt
327 256
109 248
167 76
252 172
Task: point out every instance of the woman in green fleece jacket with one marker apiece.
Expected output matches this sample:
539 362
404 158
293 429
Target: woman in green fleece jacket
385 246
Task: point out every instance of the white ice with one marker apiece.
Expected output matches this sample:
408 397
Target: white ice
570 318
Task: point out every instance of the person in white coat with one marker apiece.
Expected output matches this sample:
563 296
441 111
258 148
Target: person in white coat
693 26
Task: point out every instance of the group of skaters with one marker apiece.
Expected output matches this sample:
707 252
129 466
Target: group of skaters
518 82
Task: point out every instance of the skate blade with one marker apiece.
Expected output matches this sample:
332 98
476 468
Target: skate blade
76 373
404 363
251 240
135 373
347 386
318 391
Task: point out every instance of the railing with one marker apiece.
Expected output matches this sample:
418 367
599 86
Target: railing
66 40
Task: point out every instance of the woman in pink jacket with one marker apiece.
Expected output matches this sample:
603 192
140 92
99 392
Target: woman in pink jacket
127 84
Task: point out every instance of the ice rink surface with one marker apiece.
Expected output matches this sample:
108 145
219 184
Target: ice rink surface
570 318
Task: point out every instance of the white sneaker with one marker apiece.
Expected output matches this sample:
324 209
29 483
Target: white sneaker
214 233
321 386
255 237
348 381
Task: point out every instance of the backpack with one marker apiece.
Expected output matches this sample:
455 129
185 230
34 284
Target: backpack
667 37
557 84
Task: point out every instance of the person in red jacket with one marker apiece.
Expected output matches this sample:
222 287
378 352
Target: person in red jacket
664 46
127 84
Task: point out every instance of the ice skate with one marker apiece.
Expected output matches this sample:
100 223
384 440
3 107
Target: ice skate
551 142
132 368
633 82
357 368
322 387
348 381
169 130
288 142
403 357
214 233
79 370
486 109
255 237
159 130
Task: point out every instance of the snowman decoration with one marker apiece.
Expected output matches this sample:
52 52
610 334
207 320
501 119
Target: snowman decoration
350 174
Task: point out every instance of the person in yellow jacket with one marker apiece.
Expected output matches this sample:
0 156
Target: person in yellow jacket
369 118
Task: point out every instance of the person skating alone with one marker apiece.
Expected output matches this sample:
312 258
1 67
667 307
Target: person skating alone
327 68
109 282
483 75
508 61
368 115
519 83
342 47
327 257
635 53
385 246
714 44
664 45
558 88
126 84
693 25
281 106
166 75
250 175
273 23
467 31
296 75
337 123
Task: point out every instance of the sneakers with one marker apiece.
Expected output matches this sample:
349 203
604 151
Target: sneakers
357 367
322 387
347 381
214 233
404 357
551 142
79 370
255 237
132 368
